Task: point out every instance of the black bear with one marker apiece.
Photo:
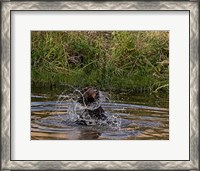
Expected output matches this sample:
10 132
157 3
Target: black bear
90 96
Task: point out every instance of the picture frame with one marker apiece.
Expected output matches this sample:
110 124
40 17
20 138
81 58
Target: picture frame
6 84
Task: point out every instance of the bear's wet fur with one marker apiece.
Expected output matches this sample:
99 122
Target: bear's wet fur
91 95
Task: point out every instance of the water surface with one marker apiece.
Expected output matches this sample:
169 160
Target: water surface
136 116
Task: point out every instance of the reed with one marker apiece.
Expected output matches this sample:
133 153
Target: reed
111 60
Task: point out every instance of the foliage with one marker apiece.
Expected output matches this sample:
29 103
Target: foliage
114 60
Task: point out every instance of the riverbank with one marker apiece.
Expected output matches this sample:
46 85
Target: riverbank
117 60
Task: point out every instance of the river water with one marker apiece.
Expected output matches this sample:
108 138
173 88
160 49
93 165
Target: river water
131 117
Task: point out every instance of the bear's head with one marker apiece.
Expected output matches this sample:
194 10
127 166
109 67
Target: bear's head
89 96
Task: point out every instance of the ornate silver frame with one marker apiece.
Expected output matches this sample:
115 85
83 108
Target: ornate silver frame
8 6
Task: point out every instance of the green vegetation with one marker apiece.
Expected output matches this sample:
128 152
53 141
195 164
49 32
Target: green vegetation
115 60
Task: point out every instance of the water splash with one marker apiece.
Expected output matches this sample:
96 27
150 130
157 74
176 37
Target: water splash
76 112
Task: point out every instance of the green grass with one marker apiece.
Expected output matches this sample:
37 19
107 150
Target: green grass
117 60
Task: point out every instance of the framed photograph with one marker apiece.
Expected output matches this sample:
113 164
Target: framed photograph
100 85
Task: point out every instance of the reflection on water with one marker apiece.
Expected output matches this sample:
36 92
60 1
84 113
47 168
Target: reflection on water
140 117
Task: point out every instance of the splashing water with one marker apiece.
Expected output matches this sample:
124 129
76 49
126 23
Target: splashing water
75 112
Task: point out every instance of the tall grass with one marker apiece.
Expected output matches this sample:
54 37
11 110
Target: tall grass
117 60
